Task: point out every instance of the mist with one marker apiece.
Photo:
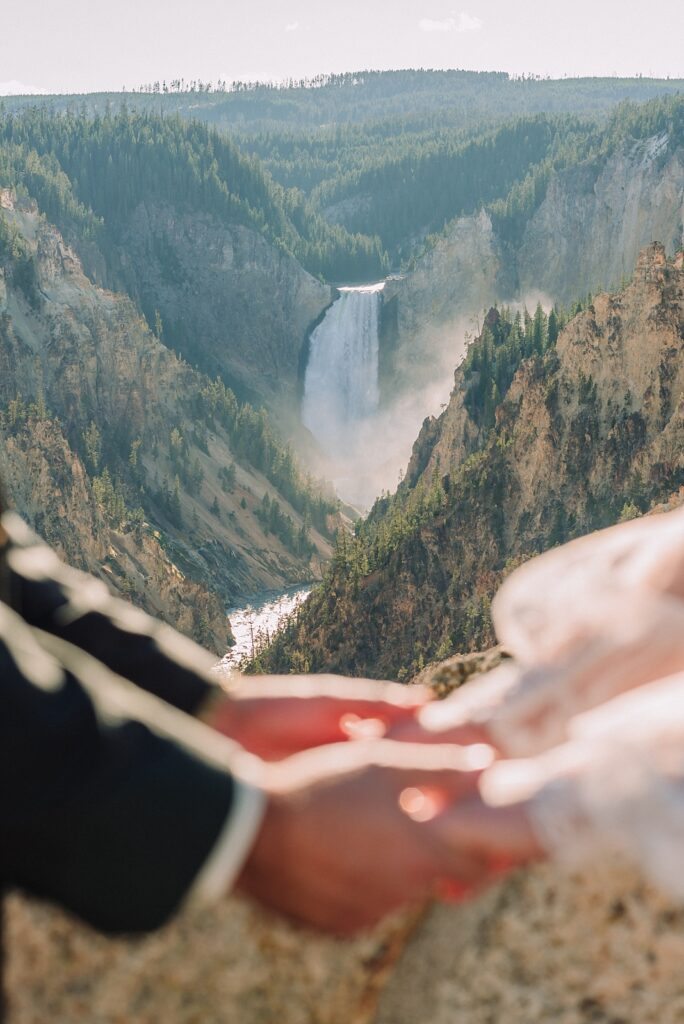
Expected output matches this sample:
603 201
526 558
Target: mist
368 457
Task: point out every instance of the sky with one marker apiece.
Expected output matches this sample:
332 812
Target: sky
89 45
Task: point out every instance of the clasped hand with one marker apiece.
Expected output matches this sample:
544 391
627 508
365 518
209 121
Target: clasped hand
354 830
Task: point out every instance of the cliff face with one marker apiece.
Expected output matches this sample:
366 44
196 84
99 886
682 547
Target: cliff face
589 430
586 233
589 230
229 301
426 314
127 459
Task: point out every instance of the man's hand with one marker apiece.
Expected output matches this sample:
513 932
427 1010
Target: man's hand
276 716
499 839
352 831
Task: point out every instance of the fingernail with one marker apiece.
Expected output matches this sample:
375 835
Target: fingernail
478 756
357 728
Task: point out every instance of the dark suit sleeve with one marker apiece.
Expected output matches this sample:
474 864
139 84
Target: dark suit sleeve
79 609
98 811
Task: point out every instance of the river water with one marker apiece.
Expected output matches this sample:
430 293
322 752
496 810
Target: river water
258 620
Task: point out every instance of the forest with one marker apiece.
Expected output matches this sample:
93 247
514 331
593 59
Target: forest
350 202
410 97
94 173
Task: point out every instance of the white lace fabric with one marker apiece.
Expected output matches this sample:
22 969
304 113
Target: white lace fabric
592 713
626 645
584 623
553 599
617 784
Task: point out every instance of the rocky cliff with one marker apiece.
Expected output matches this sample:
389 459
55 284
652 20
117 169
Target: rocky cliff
229 300
586 234
427 313
538 444
595 219
136 466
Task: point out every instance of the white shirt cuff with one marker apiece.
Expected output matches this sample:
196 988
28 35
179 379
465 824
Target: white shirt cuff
221 869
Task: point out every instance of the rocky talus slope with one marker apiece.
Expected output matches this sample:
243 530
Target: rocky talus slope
134 465
586 233
589 428
598 947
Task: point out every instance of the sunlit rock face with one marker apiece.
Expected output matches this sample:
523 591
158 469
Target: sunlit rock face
585 235
593 223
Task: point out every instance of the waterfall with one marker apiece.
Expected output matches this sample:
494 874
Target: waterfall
341 391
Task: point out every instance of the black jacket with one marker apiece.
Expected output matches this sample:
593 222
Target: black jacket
108 804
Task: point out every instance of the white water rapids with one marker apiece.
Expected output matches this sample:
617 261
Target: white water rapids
256 622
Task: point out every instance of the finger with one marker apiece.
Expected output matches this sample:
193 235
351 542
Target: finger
411 730
320 720
277 728
335 687
503 837
401 764
431 761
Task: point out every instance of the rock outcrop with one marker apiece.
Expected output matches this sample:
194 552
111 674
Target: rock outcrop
586 234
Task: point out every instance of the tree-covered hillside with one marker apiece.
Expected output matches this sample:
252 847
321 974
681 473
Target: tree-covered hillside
552 431
349 174
416 186
112 164
406 194
136 466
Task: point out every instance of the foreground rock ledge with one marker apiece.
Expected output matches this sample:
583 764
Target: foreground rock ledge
539 948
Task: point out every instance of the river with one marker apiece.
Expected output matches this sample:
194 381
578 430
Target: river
259 619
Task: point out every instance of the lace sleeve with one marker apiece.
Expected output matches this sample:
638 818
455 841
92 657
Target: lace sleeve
584 623
617 785
626 645
587 622
553 599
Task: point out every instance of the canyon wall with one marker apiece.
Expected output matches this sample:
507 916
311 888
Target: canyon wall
230 301
585 235
131 463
